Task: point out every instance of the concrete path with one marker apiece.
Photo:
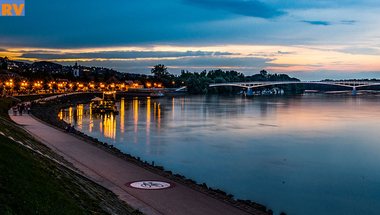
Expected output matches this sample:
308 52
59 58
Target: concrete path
113 173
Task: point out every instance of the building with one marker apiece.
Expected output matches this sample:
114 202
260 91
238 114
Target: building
76 70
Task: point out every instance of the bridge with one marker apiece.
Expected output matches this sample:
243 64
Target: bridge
250 85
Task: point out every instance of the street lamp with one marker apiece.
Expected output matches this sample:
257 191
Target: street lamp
37 85
9 85
24 85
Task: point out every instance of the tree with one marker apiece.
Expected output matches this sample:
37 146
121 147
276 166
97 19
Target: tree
106 76
96 77
264 73
4 64
197 85
160 71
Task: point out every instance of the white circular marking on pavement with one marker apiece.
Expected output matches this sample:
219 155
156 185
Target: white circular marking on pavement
150 185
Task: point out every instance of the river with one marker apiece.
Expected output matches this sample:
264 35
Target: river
300 154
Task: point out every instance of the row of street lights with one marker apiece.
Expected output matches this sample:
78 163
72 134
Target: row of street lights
149 85
65 86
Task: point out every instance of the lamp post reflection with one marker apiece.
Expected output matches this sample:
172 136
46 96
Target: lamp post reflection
71 114
91 125
157 112
173 110
136 113
109 124
79 116
60 115
122 115
148 121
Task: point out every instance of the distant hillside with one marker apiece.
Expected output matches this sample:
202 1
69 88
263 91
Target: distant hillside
47 64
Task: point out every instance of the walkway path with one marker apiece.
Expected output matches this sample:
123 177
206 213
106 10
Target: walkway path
113 173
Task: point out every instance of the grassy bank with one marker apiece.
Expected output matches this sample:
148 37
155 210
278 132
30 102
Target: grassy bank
4 107
32 184
27 187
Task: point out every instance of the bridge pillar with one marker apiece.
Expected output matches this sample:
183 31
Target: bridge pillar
249 92
354 91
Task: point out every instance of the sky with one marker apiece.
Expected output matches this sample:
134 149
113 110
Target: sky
310 40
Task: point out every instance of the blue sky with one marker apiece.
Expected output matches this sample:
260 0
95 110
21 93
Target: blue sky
308 39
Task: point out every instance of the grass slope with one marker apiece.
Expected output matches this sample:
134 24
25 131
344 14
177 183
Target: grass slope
26 187
4 107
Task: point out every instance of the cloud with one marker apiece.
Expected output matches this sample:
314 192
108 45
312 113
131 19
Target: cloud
225 53
359 51
283 65
252 8
308 4
47 55
280 52
317 22
219 62
348 22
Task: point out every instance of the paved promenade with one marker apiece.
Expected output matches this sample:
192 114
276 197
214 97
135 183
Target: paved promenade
113 173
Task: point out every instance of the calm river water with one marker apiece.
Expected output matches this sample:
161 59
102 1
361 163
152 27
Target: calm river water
300 154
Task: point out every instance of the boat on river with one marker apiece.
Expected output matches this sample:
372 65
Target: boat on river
105 104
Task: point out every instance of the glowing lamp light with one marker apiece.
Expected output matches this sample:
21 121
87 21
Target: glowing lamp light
148 85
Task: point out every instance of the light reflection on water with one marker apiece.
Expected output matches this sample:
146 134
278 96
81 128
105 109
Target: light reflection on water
304 154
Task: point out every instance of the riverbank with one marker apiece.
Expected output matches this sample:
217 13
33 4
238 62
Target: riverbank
48 112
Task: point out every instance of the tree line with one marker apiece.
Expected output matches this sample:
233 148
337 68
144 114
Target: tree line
198 83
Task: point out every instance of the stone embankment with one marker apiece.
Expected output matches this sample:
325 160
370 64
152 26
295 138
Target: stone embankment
48 111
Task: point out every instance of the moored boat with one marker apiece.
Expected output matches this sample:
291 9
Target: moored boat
105 105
